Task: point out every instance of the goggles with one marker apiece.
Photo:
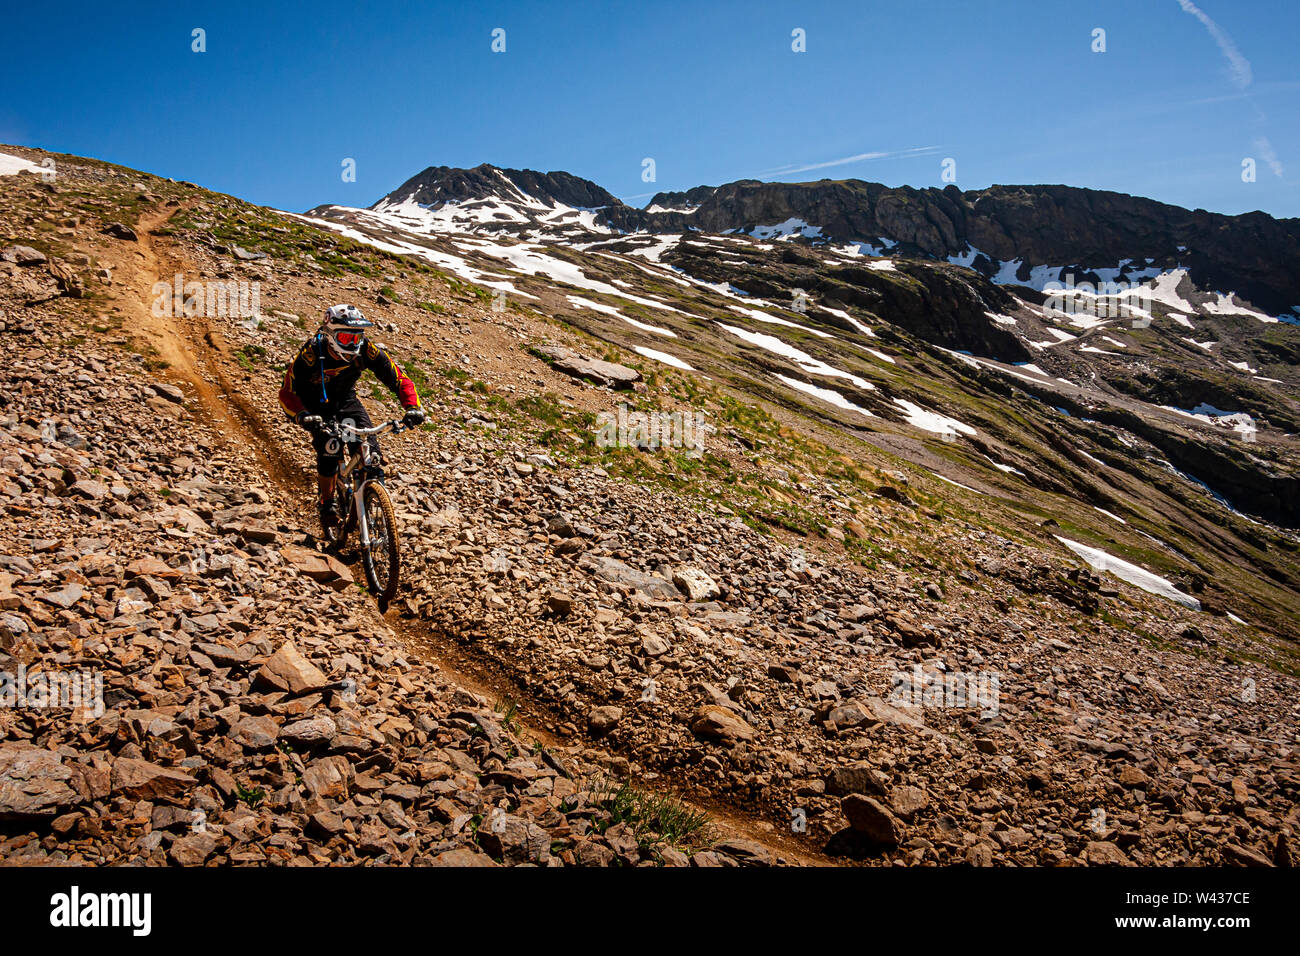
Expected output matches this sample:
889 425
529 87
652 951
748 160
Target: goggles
349 338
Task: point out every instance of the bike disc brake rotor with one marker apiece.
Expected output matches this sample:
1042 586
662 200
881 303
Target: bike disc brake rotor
377 524
347 518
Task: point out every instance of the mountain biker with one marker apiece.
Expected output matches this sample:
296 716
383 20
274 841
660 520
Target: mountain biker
320 386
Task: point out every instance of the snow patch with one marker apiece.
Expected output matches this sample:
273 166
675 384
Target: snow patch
825 394
1109 514
929 421
776 320
957 483
13 165
786 230
1163 290
1206 413
1224 305
880 355
1139 577
864 329
805 361
664 357
662 245
453 264
610 310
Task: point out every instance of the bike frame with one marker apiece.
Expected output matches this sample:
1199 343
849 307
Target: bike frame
347 435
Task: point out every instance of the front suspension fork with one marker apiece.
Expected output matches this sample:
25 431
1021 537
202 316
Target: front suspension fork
363 527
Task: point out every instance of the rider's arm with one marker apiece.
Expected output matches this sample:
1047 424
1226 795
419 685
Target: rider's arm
387 371
294 376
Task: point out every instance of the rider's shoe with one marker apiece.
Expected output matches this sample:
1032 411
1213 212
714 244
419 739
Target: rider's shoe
329 517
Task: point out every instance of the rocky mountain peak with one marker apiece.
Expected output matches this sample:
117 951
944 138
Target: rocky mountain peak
440 184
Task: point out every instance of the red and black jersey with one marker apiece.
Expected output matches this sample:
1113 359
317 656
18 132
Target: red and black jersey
319 381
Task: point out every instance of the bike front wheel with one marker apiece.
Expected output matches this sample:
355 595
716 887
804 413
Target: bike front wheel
383 562
347 520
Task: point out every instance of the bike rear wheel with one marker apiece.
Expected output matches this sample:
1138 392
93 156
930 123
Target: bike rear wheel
383 563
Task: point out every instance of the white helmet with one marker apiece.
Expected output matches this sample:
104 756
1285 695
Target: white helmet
344 329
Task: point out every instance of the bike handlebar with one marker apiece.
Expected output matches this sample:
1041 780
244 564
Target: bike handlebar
336 430
395 424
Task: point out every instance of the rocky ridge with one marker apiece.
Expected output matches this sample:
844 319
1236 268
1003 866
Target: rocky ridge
1058 226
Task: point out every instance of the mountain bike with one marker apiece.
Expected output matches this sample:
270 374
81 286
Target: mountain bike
364 505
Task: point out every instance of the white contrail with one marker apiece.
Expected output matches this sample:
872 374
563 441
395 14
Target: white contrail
1242 75
1238 65
859 157
786 170
1270 156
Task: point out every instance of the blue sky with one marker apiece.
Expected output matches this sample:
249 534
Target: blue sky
1011 91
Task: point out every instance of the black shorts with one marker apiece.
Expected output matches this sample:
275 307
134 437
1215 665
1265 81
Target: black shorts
349 410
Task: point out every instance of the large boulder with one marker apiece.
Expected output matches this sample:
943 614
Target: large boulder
23 256
614 571
594 370
324 568
871 819
512 839
288 670
34 783
120 231
148 781
695 584
715 723
602 720
858 777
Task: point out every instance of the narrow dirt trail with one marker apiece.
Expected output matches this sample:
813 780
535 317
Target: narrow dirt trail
197 355
144 272
183 349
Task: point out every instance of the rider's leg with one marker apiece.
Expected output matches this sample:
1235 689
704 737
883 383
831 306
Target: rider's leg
326 470
327 467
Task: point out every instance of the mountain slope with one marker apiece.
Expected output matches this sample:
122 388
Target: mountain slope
1160 419
773 625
